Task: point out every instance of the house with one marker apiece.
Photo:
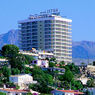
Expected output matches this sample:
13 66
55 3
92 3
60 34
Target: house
66 92
57 69
22 80
14 91
91 69
83 80
3 61
41 63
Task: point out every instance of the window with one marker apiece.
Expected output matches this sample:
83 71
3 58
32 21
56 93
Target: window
34 61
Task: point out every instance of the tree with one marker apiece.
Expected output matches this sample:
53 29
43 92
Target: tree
91 83
18 62
93 63
15 71
6 73
29 58
65 85
62 63
41 76
73 68
42 88
68 76
82 63
53 59
76 85
44 80
17 87
29 93
87 92
27 70
1 84
10 85
9 51
51 64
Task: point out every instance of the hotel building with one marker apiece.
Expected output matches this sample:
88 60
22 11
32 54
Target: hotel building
48 31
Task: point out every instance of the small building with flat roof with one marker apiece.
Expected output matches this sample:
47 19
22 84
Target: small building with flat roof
22 80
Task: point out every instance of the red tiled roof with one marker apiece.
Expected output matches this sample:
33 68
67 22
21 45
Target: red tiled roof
13 90
59 65
71 91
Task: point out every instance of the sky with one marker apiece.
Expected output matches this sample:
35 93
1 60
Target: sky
82 13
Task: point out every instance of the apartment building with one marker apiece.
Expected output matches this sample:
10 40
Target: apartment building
47 31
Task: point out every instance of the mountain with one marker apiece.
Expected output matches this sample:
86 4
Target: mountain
83 49
11 37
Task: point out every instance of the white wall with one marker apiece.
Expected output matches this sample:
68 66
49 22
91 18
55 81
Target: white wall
69 93
21 79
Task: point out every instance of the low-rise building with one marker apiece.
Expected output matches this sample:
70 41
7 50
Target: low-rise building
22 80
41 63
38 54
66 92
57 69
60 70
91 69
83 80
3 61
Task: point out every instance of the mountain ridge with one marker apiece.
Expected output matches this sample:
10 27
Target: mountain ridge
83 49
11 37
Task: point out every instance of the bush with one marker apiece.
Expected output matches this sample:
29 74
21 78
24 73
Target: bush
1 93
29 93
17 87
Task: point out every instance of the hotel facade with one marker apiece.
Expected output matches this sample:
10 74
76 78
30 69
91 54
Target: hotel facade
48 31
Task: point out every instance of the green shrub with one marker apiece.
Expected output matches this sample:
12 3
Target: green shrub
1 93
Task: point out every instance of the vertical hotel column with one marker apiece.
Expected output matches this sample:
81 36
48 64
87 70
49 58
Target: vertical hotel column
43 34
41 38
61 42
69 43
54 31
52 35
70 33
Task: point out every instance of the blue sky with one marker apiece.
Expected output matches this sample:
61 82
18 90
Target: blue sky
82 12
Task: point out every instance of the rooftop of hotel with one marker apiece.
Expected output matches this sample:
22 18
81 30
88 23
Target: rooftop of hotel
46 14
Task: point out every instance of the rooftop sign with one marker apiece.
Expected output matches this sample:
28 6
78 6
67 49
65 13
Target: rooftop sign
50 12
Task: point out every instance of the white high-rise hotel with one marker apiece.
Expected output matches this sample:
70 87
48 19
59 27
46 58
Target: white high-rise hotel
47 31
